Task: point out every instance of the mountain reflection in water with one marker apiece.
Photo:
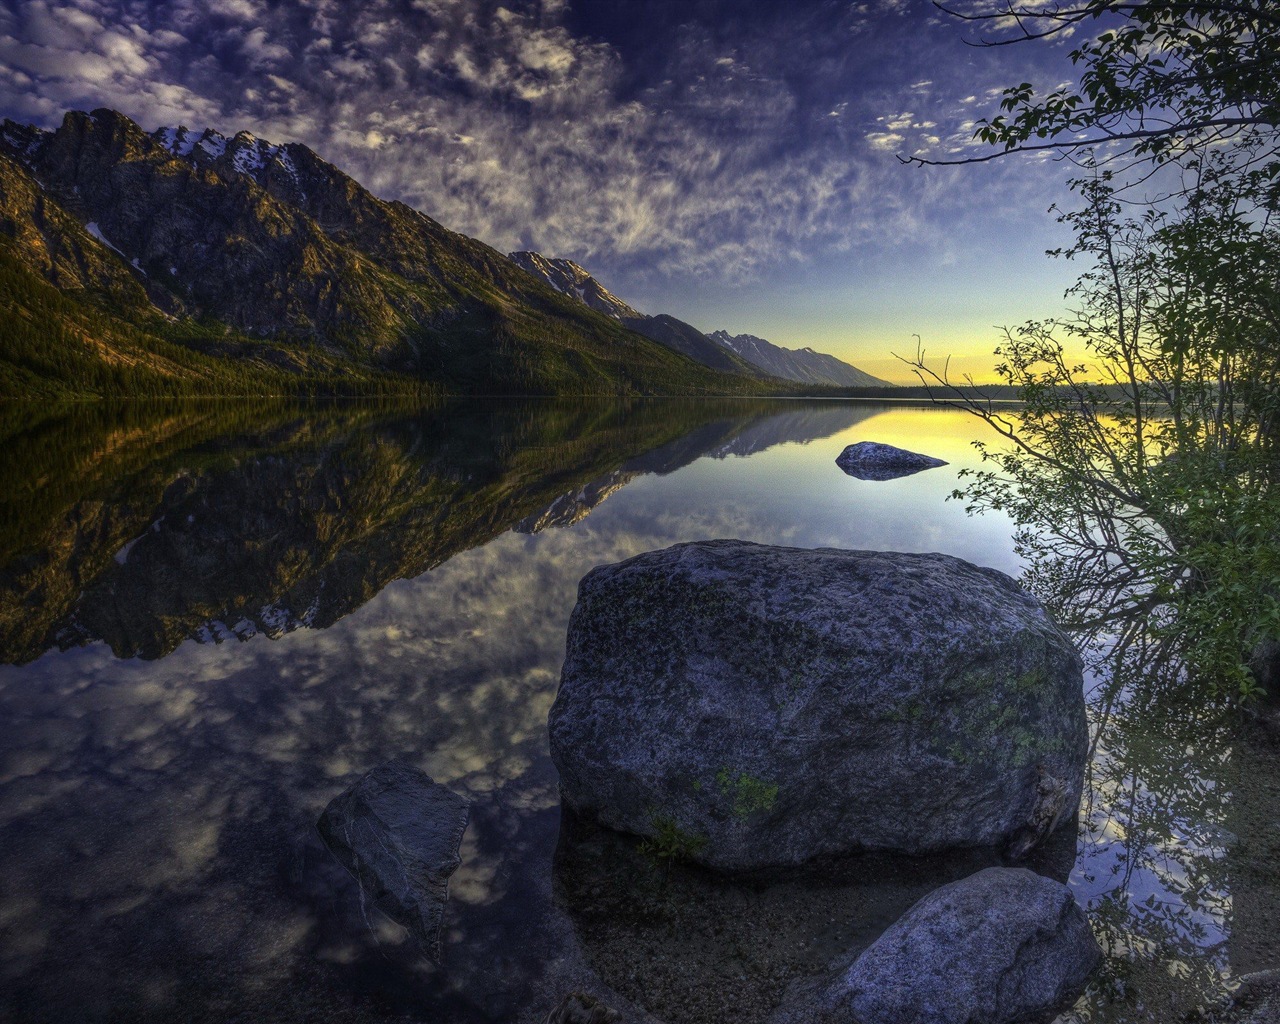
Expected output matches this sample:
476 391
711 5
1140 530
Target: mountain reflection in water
303 520
213 619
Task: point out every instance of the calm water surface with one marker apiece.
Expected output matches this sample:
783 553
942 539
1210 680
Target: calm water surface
213 620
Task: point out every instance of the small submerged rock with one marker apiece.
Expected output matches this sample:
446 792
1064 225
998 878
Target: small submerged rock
1255 1000
745 706
871 460
398 832
1002 946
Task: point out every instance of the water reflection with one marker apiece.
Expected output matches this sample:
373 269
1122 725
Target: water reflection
1180 843
157 842
228 532
398 585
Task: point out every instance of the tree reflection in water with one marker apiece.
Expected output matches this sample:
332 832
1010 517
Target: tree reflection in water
1179 836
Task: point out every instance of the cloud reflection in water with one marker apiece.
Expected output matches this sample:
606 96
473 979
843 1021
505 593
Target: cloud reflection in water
158 857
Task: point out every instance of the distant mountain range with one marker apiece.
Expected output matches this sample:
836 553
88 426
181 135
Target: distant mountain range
744 353
567 277
803 365
183 261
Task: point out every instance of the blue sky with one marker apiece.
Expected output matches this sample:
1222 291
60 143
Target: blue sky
734 163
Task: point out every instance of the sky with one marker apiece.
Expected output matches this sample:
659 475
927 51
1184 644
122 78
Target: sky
734 163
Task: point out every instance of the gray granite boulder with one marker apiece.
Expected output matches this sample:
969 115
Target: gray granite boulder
747 706
398 832
871 460
1003 946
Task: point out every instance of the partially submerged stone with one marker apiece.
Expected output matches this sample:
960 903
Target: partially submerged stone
747 706
1002 946
398 832
871 460
718 947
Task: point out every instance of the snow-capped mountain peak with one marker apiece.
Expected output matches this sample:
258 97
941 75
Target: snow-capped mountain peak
245 153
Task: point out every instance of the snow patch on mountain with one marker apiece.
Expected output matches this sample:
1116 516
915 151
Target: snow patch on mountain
96 232
23 138
570 279
244 153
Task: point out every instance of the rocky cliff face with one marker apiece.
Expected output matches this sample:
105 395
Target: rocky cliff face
57 245
269 241
803 365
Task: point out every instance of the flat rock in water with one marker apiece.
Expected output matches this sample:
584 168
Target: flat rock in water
746 706
870 460
1002 946
398 832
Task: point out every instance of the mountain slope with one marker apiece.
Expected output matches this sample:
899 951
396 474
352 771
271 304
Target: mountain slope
803 365
240 249
77 322
571 279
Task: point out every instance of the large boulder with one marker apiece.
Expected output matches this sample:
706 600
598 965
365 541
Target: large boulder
871 460
747 706
398 832
1003 946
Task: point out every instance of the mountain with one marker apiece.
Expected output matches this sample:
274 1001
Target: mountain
570 279
185 260
803 365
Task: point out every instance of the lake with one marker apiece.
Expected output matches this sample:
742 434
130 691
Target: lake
214 618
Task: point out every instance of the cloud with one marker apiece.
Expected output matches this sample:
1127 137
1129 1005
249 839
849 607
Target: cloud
889 142
677 150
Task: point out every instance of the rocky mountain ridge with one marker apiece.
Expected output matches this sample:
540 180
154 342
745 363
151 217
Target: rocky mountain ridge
572 280
569 278
268 252
741 354
803 365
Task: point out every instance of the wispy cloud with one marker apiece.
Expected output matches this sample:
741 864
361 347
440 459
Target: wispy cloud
718 154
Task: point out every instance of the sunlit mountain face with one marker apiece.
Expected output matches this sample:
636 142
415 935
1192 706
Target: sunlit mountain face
733 164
